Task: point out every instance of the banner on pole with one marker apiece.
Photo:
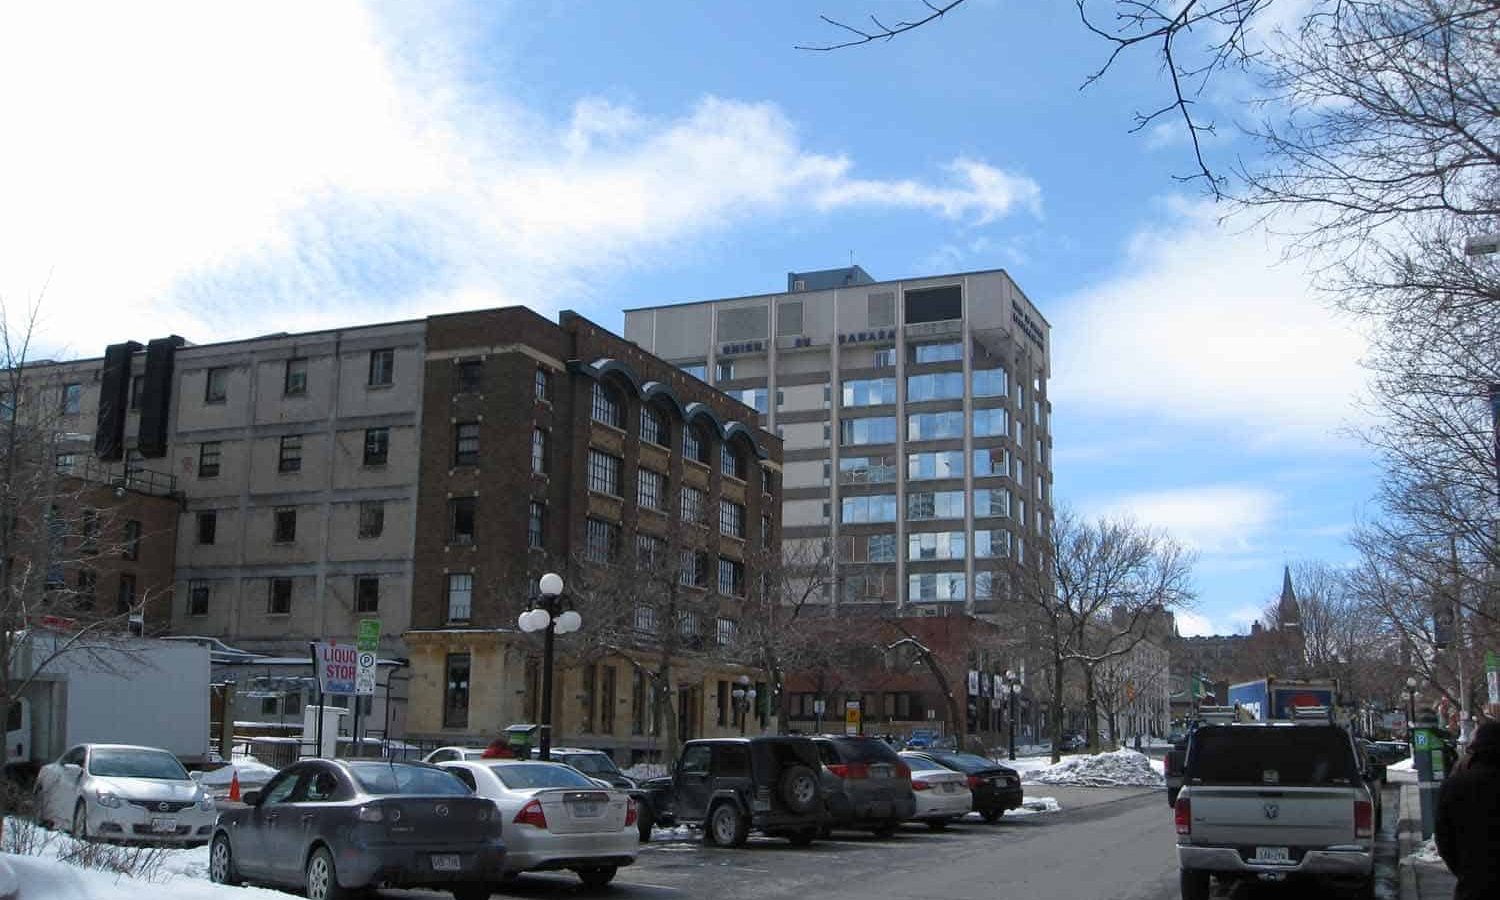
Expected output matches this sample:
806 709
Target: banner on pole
1492 674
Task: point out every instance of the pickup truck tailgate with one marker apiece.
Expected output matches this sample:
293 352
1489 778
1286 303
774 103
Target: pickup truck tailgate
1285 816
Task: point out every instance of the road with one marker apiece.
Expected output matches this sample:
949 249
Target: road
1104 845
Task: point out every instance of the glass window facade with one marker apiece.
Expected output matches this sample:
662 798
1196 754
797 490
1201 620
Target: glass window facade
935 545
869 391
872 430
990 383
934 426
934 386
935 587
867 470
948 351
991 461
922 505
944 464
992 543
991 502
869 508
992 422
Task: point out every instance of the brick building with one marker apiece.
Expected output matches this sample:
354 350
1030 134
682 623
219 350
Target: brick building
561 447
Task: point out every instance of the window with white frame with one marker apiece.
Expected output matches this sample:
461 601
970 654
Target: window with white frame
650 551
727 631
694 505
991 461
935 545
991 502
935 425
922 505
868 430
990 383
601 540
694 443
651 489
466 444
935 587
382 367
654 427
992 543
645 619
539 451
731 577
604 472
731 461
869 391
943 464
605 407
731 518
991 422
536 520
868 508
934 386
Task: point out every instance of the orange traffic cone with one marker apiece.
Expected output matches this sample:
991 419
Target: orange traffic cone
234 787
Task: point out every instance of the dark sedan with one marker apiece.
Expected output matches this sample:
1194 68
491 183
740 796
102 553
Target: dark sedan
331 828
996 788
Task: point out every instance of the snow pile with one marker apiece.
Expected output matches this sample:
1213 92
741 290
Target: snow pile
1122 768
1035 805
673 833
1404 765
645 771
1426 852
253 774
41 878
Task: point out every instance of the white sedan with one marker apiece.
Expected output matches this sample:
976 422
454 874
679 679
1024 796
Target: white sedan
556 817
116 792
452 754
943 795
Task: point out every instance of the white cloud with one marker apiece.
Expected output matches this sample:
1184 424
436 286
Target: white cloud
1212 518
211 171
1204 324
1190 624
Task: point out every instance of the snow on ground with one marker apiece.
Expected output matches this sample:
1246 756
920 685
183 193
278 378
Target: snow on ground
41 878
1025 765
1034 805
1426 852
644 771
253 775
1122 768
1404 765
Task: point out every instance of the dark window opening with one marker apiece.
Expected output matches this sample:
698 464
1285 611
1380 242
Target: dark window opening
938 304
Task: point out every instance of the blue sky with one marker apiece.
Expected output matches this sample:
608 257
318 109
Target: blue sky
291 166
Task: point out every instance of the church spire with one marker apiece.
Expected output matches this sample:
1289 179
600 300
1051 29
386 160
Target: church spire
1288 613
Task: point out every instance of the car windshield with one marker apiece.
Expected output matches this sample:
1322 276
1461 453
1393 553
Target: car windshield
592 764
403 778
525 776
865 751
963 762
136 763
1299 755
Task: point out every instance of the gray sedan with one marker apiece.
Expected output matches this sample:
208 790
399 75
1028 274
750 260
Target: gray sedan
334 827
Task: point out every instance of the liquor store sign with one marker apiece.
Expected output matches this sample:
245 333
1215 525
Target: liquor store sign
338 667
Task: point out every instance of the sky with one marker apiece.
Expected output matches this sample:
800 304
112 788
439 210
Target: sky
221 172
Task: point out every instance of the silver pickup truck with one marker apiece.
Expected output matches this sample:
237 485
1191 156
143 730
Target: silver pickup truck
1272 801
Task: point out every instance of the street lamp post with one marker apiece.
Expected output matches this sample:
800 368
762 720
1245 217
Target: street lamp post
1012 687
1411 708
744 696
547 616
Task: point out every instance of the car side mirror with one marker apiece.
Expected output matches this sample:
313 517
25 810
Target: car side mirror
71 769
251 798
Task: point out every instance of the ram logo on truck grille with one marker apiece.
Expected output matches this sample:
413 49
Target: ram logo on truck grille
1272 810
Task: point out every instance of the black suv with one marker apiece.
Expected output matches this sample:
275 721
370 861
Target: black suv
868 785
729 786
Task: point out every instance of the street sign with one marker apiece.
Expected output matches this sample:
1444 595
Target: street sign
819 707
851 717
338 666
368 644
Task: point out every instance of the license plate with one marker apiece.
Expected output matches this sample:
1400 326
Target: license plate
880 771
167 825
447 862
949 788
586 810
1272 855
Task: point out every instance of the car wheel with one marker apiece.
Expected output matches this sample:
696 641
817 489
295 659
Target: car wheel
321 881
472 892
799 789
221 868
937 824
803 838
81 822
598 876
726 827
1195 884
992 815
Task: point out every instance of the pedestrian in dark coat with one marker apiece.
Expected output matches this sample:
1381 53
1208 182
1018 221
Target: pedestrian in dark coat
1468 818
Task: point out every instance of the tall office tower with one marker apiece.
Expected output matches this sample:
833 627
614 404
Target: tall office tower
915 418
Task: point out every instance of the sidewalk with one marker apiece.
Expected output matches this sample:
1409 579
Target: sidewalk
1419 880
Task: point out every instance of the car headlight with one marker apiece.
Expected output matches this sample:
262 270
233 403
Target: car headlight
106 799
206 803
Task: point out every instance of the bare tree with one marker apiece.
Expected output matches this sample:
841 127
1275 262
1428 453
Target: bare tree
1096 587
58 529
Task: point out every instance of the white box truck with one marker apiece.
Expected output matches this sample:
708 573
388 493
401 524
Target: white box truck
125 691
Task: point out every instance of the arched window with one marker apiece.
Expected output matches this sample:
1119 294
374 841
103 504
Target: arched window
606 405
695 443
654 427
731 461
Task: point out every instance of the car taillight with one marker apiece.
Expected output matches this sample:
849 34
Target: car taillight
1182 813
629 813
531 814
903 771
919 785
370 814
839 770
1364 819
859 770
974 781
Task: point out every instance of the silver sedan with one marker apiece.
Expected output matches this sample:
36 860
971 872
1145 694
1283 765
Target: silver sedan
556 818
117 792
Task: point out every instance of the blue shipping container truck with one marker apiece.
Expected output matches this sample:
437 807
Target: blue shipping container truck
1268 699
